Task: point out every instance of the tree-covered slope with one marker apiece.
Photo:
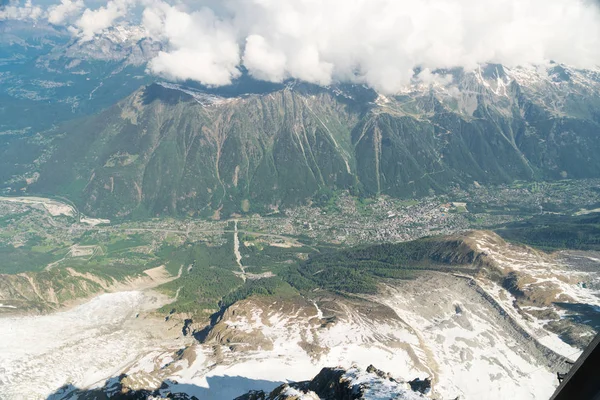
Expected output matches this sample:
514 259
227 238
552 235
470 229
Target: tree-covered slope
162 151
167 149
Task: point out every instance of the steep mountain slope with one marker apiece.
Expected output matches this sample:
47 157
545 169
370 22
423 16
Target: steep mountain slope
341 384
47 76
169 149
554 292
330 384
46 291
489 320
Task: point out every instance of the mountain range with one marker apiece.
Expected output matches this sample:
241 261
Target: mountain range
254 147
187 241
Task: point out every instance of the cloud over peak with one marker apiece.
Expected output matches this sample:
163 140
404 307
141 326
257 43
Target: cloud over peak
375 42
95 21
203 47
59 13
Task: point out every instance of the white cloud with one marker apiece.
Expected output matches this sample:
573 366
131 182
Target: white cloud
263 61
14 10
377 42
59 13
427 77
95 21
204 47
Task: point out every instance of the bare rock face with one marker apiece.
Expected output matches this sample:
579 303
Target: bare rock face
341 384
421 385
118 388
536 285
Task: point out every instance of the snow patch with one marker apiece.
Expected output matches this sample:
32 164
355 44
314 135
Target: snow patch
82 346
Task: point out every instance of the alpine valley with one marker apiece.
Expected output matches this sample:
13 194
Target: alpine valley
171 150
288 240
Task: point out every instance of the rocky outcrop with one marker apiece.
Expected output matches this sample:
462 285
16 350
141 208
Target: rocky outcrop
54 288
421 385
240 327
538 286
118 388
330 384
46 290
341 384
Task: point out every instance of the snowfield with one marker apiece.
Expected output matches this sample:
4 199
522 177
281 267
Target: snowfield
468 334
475 354
82 346
468 353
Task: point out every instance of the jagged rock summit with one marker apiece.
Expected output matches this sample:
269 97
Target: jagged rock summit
330 384
341 384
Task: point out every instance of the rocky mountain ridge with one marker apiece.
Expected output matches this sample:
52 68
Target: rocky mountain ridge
168 149
448 326
330 384
342 384
53 289
258 146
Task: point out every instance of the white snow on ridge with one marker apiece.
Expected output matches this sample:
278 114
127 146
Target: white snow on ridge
299 395
125 33
473 353
204 99
464 352
377 388
547 275
444 329
82 346
352 340
453 336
